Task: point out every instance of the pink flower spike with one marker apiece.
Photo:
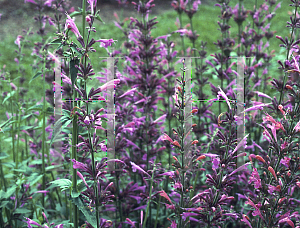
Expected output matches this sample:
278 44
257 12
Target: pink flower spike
164 194
243 142
297 127
222 94
92 3
18 41
72 26
260 94
105 42
166 137
130 222
285 161
286 219
109 85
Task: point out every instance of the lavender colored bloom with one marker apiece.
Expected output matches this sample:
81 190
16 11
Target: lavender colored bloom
48 3
216 162
136 167
222 94
297 127
72 26
92 3
105 42
31 1
272 188
241 143
255 178
18 41
31 222
260 94
256 107
285 161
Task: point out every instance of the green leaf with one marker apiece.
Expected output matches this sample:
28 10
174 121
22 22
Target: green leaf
56 41
10 191
4 156
62 183
66 124
74 49
51 167
22 211
75 13
75 194
25 128
56 131
3 204
9 95
90 216
25 117
35 76
34 178
50 110
73 70
5 123
98 17
38 107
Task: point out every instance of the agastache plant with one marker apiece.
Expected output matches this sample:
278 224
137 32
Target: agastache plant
272 202
181 145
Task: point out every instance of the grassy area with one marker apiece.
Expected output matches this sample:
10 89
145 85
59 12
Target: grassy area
205 22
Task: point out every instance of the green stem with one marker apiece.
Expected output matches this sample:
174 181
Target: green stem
74 156
157 210
44 131
149 202
287 56
182 38
83 18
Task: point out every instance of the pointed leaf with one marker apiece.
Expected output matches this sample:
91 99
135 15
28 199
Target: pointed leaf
35 76
56 41
75 13
9 95
99 19
73 70
62 183
90 216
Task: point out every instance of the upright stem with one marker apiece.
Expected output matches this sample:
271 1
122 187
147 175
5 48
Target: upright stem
93 169
182 38
74 156
44 132
83 18
149 202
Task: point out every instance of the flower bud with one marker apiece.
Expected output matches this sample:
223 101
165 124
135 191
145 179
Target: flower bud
289 87
201 157
195 142
194 110
281 200
179 88
175 143
278 187
272 172
260 159
88 19
175 158
194 125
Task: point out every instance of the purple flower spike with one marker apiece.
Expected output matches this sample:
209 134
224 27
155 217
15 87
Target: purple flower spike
136 167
